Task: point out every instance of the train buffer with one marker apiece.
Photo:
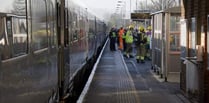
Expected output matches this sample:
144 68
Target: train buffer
117 79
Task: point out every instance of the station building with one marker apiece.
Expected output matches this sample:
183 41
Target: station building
194 49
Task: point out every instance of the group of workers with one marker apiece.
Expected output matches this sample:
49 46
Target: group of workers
129 38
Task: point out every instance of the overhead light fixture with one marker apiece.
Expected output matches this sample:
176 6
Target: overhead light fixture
119 1
118 5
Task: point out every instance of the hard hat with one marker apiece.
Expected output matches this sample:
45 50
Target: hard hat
141 28
149 28
131 27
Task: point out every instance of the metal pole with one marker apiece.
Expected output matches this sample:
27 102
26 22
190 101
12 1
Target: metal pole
136 6
61 6
121 12
130 7
124 13
146 5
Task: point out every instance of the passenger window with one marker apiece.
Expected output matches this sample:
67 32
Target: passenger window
39 24
19 36
13 42
9 26
74 27
52 25
66 36
75 35
3 42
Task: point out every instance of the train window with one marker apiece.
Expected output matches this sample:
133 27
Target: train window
13 41
9 26
39 24
74 27
91 29
66 36
70 24
19 36
3 42
52 23
81 25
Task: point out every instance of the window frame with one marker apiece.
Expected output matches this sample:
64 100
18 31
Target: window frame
176 31
42 49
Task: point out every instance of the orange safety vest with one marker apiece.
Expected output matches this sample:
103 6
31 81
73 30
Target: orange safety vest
121 32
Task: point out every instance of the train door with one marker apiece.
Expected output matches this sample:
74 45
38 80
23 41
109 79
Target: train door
63 46
9 32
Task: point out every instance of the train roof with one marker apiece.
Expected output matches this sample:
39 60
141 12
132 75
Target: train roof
10 14
169 10
3 14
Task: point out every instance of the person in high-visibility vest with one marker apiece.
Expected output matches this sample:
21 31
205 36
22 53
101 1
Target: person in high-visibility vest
120 37
148 44
141 40
124 40
129 40
112 36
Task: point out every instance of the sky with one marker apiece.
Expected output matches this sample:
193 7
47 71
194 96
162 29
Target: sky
106 7
5 5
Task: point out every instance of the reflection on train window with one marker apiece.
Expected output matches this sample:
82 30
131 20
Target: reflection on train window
75 35
13 41
3 42
19 36
70 20
9 26
174 42
51 24
39 24
74 27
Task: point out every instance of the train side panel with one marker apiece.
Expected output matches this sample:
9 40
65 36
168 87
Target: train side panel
29 60
78 38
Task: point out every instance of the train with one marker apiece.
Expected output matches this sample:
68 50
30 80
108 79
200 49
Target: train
47 49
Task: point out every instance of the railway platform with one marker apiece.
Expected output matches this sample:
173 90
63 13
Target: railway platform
117 79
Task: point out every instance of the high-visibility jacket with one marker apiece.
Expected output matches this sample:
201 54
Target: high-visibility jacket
148 34
141 38
129 37
121 31
112 34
